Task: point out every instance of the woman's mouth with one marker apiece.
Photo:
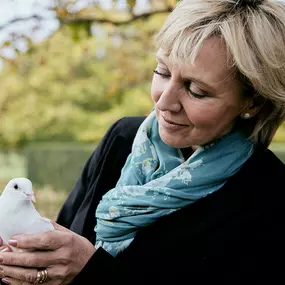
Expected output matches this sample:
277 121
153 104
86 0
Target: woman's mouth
170 124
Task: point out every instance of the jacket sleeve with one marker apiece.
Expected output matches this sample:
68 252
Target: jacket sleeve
99 175
102 268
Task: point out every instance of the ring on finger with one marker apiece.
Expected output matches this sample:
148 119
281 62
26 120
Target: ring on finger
42 276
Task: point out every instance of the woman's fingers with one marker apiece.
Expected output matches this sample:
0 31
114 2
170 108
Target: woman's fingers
5 248
24 274
29 275
29 259
13 281
40 241
63 252
60 228
19 275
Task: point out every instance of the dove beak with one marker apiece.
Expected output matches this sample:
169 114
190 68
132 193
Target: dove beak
32 197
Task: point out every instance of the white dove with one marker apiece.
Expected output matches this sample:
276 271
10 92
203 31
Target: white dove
17 212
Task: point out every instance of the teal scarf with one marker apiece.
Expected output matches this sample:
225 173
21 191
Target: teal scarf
156 181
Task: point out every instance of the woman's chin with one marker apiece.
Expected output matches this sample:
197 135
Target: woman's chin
174 141
175 137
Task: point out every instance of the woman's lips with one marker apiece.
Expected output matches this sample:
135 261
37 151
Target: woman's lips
170 124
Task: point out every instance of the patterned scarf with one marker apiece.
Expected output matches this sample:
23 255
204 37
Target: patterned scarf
156 181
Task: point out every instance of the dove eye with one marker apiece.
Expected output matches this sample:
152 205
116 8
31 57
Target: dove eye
16 186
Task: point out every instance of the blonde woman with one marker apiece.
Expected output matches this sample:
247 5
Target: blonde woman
191 193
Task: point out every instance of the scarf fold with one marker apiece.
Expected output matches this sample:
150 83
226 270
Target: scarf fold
156 180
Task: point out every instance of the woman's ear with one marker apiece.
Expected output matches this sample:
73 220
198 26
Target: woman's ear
254 105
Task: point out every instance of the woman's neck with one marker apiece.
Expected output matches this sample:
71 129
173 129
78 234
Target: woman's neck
187 152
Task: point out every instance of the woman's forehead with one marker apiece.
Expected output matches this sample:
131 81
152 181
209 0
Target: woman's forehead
186 53
212 61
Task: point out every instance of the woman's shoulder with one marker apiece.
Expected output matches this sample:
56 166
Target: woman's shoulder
268 160
264 167
119 136
126 126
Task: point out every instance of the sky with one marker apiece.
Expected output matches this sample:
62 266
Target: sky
11 9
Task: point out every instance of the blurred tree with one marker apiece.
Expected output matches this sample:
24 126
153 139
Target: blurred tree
76 83
80 15
95 68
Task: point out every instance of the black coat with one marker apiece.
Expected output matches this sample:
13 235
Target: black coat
233 236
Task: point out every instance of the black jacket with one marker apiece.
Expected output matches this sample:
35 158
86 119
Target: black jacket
233 236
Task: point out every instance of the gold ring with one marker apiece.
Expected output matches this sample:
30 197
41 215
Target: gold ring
42 276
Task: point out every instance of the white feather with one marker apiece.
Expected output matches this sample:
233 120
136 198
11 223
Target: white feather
17 212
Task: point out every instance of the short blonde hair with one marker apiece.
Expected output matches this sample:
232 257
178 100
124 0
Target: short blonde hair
254 33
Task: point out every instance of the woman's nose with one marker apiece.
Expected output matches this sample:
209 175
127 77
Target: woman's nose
169 98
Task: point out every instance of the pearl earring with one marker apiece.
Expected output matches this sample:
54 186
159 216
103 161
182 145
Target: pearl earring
246 116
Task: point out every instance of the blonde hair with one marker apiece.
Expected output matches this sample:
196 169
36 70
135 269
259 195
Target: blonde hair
254 34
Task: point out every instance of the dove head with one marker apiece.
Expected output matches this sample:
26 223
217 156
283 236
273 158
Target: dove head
22 186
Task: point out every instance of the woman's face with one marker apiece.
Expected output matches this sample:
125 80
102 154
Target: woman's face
196 103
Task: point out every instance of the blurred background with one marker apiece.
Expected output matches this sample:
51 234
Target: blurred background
68 70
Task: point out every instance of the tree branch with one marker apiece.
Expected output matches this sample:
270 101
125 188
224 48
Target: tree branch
74 20
77 20
33 17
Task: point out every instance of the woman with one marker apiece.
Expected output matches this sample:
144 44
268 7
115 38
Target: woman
191 192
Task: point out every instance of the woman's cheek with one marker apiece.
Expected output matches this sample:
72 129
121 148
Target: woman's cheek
155 94
201 112
156 89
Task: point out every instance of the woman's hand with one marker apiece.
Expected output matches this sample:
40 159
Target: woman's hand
62 253
4 247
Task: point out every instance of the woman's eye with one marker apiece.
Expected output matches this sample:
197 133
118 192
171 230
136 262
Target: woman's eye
163 75
195 91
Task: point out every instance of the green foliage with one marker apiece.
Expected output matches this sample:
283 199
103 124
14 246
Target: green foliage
57 165
67 90
79 30
280 135
74 85
12 164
